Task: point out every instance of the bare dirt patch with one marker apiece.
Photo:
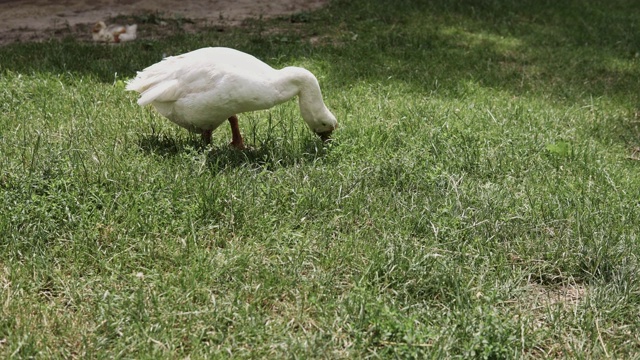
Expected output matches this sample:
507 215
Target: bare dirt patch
565 297
37 20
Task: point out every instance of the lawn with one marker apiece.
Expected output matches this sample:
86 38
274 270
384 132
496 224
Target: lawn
481 198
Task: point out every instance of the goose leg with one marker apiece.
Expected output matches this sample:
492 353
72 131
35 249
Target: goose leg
236 140
206 136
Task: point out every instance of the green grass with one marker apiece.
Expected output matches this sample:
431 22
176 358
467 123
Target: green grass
481 198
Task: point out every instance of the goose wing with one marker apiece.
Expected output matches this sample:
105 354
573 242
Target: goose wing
161 81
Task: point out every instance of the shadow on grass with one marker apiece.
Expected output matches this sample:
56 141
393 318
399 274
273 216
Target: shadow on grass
564 51
166 146
264 157
568 47
557 50
267 155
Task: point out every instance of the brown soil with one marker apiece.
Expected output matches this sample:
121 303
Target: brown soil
37 20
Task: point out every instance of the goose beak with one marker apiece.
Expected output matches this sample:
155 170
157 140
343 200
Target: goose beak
326 135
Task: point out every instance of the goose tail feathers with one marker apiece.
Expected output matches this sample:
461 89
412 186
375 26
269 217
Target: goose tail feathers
153 86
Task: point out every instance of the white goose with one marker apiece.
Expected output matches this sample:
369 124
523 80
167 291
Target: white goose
201 89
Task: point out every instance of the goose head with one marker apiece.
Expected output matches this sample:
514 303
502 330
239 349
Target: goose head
313 110
323 124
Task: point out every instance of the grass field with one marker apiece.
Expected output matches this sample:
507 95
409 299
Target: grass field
481 198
